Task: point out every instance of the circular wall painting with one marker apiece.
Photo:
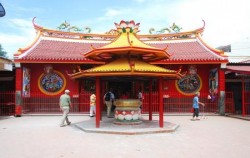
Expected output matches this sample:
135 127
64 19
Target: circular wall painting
52 83
189 84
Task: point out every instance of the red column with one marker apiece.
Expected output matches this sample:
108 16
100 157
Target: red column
160 102
18 110
103 90
150 101
221 80
98 102
243 98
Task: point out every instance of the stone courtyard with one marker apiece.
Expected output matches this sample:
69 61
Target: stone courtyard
41 136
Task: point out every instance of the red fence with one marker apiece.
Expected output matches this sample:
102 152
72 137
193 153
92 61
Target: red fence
229 102
7 103
38 103
176 103
247 102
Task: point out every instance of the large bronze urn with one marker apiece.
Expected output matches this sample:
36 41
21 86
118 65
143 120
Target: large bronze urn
127 111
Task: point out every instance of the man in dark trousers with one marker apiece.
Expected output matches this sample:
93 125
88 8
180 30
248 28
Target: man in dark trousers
109 97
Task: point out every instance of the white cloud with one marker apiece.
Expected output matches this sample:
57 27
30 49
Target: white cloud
112 13
23 34
227 22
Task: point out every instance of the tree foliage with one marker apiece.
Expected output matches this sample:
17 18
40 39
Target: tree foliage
2 52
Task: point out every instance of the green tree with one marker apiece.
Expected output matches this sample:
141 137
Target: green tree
2 52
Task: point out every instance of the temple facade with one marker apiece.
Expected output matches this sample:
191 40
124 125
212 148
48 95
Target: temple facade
167 67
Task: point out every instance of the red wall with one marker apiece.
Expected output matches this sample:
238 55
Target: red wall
202 71
73 85
38 68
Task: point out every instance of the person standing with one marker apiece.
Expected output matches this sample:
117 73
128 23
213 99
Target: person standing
196 104
109 97
65 104
92 104
140 97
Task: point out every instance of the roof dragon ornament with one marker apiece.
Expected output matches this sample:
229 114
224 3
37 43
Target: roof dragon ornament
65 26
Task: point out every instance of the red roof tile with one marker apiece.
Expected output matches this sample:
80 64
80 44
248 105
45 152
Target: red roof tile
51 50
65 51
188 51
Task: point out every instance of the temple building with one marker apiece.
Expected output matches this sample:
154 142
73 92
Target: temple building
169 68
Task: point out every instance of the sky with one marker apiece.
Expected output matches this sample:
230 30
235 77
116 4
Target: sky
227 21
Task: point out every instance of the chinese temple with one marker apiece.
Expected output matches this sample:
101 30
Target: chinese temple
167 67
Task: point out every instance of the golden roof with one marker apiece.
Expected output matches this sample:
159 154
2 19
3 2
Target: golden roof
127 43
128 67
127 40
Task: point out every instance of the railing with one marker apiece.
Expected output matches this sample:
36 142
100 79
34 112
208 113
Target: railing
247 102
229 103
178 103
7 103
39 103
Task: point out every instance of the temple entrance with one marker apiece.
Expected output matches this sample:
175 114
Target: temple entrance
126 87
121 89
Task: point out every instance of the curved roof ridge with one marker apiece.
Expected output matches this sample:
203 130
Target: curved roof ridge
173 36
72 40
217 51
26 51
21 50
220 54
59 33
172 41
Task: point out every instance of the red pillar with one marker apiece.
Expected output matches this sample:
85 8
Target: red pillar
98 102
150 101
18 102
243 98
103 90
160 102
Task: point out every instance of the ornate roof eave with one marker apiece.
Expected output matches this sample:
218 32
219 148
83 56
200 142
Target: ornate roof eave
146 74
127 43
37 27
128 67
106 53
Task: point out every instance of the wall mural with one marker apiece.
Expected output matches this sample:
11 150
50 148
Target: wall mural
213 83
26 82
51 82
191 83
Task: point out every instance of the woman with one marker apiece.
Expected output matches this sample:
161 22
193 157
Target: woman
92 104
